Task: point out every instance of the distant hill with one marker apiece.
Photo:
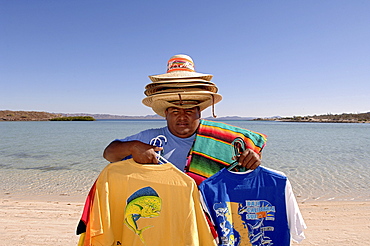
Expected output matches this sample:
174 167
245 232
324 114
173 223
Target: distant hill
226 118
151 117
326 118
8 115
117 117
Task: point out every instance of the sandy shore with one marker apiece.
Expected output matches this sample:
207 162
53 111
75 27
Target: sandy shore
54 222
336 223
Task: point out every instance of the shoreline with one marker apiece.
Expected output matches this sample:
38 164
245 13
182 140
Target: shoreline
54 221
10 115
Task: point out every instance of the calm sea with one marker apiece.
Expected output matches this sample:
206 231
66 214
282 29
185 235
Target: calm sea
323 161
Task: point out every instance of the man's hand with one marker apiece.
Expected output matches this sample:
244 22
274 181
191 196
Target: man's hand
144 153
249 159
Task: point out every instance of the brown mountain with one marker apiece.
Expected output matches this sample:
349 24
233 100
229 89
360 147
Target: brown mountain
8 115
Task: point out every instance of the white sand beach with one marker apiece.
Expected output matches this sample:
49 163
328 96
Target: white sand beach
54 222
336 223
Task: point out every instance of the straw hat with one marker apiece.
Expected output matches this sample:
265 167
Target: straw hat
178 81
180 87
161 90
188 99
180 66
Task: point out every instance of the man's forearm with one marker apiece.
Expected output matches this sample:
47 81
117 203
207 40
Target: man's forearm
117 150
141 152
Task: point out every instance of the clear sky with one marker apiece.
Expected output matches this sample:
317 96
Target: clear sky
268 57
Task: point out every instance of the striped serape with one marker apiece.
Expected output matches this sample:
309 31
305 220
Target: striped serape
214 148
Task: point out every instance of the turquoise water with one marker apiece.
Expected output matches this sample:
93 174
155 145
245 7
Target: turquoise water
323 161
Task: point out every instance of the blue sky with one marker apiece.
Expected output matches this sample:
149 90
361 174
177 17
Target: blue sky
268 57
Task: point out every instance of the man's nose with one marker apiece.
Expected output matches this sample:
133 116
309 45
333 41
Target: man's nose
182 114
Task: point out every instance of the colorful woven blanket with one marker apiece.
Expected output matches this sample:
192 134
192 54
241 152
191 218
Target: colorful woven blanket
214 148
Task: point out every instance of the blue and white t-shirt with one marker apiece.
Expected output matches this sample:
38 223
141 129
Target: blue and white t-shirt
253 208
175 149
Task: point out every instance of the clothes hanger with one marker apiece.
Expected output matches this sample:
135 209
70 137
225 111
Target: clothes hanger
237 147
159 141
161 159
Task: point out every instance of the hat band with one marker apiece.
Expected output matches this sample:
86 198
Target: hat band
185 102
180 64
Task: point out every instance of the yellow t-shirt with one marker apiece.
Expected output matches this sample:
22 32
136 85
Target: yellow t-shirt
149 205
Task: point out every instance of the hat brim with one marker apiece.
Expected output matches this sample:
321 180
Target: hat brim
168 88
180 82
160 102
180 74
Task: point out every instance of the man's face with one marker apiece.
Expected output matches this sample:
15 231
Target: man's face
182 122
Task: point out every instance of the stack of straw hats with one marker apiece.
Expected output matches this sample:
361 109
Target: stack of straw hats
180 87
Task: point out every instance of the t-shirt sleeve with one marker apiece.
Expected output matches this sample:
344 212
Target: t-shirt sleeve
200 230
99 229
295 219
138 137
145 136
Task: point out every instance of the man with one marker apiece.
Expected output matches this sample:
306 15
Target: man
178 95
198 147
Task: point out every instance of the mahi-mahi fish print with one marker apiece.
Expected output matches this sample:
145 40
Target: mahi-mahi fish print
144 203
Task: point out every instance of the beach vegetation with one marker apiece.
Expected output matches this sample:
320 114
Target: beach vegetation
74 118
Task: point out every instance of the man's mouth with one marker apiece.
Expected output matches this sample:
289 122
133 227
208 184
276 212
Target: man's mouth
182 124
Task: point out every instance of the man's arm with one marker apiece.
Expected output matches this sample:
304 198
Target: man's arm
141 152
